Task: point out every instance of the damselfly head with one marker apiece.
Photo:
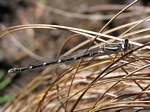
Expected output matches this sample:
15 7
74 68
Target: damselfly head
125 44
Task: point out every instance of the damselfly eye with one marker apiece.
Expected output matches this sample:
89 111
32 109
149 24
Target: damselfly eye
125 44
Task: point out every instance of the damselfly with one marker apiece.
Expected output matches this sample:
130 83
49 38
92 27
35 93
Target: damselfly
105 49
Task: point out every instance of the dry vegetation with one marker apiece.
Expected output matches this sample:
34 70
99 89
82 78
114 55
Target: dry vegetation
117 82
